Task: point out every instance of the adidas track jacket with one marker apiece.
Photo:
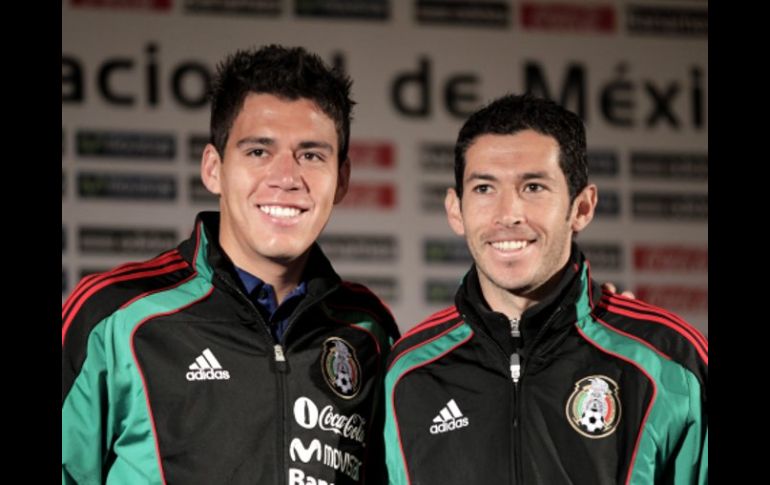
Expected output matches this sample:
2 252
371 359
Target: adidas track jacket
608 390
170 375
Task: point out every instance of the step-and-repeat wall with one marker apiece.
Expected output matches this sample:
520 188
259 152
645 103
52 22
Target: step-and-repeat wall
135 119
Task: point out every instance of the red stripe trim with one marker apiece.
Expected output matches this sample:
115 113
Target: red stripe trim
674 317
93 289
431 321
393 394
165 288
78 289
703 353
649 407
144 382
198 230
419 344
632 337
91 280
644 306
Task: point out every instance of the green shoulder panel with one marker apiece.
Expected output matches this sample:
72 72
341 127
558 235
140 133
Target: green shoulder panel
675 411
406 362
107 407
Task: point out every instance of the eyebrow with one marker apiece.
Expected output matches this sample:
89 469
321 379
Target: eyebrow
321 145
255 140
535 175
267 141
480 176
524 176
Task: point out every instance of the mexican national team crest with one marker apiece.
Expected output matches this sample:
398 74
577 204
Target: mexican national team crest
593 409
340 367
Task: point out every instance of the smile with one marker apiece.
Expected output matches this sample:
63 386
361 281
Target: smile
280 211
509 245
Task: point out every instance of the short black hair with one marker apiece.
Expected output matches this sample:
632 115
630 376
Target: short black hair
511 114
288 73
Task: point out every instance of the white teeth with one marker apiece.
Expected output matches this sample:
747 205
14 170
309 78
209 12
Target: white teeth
509 245
279 211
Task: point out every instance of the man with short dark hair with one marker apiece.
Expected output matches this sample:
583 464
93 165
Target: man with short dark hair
535 375
239 356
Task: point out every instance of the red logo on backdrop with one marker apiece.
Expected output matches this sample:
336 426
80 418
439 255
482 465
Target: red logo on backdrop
677 298
372 154
370 196
671 258
569 17
125 4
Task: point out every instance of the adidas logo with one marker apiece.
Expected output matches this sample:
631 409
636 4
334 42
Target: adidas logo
207 368
449 418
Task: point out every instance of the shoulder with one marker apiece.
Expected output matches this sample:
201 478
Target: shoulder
101 294
666 332
356 299
430 329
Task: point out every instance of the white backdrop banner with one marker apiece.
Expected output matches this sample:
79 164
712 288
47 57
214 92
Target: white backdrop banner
135 119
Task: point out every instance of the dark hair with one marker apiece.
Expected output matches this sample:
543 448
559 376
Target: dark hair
511 114
288 73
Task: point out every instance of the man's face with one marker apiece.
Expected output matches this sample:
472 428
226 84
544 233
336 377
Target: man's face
515 212
278 180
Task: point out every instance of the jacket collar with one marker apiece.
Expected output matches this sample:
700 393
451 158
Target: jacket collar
539 324
203 252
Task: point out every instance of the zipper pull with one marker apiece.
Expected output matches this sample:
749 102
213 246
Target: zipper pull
279 357
515 367
515 332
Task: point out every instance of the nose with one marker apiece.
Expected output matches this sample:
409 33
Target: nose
509 211
285 172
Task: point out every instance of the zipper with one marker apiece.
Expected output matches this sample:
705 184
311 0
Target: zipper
516 372
280 367
514 364
515 357
517 472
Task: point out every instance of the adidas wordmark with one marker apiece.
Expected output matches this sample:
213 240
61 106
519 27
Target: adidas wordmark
449 418
207 368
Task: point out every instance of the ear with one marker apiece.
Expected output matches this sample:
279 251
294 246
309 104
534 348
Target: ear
454 212
583 208
211 169
343 181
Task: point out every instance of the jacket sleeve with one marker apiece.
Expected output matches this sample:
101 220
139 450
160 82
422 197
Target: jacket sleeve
84 409
691 455
699 434
377 472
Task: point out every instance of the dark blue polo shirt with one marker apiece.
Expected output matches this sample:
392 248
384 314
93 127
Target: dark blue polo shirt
263 296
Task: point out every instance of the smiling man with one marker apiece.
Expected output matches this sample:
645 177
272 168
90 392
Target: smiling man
536 375
239 356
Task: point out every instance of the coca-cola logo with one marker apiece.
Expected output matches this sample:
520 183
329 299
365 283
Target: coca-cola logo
348 426
307 415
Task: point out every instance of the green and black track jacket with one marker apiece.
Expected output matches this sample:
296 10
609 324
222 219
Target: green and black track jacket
610 390
170 375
